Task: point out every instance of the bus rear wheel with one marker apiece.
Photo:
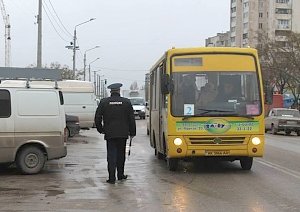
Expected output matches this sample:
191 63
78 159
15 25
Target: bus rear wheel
246 163
172 163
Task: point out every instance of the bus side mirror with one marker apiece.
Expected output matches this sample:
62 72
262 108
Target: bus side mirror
165 84
269 96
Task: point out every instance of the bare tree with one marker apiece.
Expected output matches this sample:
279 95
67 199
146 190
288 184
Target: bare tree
134 86
280 62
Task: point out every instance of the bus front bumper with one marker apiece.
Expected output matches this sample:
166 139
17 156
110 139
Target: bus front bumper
186 149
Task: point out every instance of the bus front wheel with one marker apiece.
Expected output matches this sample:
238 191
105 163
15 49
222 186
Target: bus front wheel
172 163
246 163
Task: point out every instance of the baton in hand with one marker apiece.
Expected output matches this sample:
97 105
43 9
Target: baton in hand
130 145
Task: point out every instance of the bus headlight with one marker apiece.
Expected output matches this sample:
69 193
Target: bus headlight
256 141
177 141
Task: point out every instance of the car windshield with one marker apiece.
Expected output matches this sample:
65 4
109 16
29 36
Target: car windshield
288 113
215 93
137 101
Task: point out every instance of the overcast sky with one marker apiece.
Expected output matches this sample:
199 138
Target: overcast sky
133 34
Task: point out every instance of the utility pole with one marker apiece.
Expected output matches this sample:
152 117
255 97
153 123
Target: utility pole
74 51
39 44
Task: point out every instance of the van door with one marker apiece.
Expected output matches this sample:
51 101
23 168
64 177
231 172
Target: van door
6 127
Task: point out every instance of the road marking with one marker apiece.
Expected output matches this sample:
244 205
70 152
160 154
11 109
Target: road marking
285 170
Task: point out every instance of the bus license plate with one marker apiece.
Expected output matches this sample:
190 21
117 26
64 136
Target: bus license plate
217 152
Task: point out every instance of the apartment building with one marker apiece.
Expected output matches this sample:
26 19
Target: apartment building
220 40
274 17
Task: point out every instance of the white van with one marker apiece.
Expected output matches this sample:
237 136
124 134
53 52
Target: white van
32 126
79 99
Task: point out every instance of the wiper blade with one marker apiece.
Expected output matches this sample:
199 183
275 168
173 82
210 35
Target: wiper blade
213 110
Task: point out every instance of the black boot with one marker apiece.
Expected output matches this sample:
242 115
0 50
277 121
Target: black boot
110 181
124 177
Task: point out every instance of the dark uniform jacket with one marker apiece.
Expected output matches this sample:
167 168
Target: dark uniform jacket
117 115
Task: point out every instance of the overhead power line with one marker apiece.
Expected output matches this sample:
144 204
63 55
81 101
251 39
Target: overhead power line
60 20
53 25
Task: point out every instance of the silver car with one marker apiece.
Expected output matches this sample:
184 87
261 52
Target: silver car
283 119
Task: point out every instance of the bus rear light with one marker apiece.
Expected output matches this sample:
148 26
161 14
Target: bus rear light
254 150
179 150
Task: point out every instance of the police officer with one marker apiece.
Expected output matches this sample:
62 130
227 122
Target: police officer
115 119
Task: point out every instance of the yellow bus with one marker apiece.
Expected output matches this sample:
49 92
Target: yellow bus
207 102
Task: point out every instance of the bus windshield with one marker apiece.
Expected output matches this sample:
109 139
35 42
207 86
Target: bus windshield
215 93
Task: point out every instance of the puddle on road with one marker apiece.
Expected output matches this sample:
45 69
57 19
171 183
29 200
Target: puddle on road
10 189
52 193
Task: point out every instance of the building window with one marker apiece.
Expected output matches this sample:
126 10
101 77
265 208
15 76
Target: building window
283 1
5 106
260 25
245 35
283 23
232 29
246 4
232 39
283 11
233 9
233 1
245 25
245 15
260 15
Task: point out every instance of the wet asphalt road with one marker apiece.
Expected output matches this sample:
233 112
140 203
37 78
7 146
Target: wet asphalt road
77 182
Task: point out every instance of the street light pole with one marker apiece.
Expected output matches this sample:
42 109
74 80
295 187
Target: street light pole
84 60
90 68
74 44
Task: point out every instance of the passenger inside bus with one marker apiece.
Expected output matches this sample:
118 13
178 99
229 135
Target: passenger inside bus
207 95
189 89
185 92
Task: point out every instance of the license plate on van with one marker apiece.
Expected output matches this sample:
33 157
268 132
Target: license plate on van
217 152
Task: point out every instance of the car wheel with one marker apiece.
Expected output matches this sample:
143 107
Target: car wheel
287 132
30 160
172 163
273 130
246 163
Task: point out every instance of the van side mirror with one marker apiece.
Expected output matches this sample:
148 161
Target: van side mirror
269 95
165 84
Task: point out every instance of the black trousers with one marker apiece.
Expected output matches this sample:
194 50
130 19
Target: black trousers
116 157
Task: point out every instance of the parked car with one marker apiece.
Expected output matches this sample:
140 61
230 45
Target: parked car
283 119
139 106
73 127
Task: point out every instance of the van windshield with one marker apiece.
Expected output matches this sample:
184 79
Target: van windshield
137 101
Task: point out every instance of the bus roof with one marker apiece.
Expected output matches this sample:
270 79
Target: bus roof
211 50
